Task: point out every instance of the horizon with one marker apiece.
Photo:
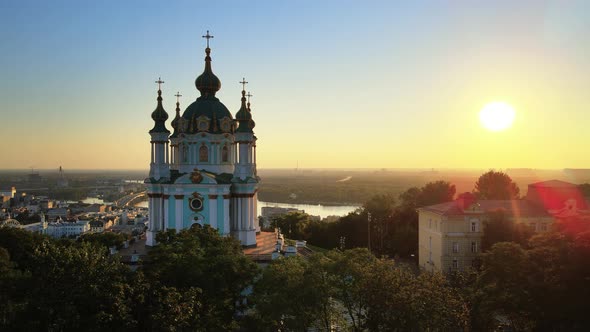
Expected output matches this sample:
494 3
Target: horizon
388 85
56 169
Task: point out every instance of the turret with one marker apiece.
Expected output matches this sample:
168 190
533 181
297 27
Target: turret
159 140
244 136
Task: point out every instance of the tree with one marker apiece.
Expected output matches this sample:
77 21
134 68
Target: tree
292 224
400 300
352 271
69 288
503 285
379 209
200 261
295 294
107 239
496 185
500 228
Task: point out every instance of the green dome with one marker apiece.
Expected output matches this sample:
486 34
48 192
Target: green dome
209 106
159 116
244 117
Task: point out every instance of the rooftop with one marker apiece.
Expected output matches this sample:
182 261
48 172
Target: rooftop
516 208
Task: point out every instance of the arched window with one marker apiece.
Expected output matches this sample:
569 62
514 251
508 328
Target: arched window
203 154
224 154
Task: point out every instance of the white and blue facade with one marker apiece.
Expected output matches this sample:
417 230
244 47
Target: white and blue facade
205 171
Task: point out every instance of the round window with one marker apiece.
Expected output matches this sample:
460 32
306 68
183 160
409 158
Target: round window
196 204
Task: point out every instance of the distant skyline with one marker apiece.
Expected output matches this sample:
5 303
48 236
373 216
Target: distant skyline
335 84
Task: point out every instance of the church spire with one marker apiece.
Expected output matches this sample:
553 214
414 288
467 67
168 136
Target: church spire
248 104
159 115
207 83
243 116
177 117
251 123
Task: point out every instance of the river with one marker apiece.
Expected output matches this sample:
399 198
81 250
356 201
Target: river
315 210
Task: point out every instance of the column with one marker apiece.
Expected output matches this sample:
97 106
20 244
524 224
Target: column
167 153
152 153
239 218
179 199
166 204
213 211
151 211
156 213
226 227
244 213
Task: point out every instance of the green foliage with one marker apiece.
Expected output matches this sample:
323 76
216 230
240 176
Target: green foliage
356 291
210 267
106 239
541 287
64 287
496 185
499 228
292 224
393 227
294 294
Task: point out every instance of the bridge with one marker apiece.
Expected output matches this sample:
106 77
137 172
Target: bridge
130 199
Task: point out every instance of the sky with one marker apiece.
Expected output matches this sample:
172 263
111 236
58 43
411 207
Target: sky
335 84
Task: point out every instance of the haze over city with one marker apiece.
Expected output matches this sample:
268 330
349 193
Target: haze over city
389 84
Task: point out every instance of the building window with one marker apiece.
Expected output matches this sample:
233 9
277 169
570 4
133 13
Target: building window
429 223
455 247
473 226
544 227
224 154
533 226
473 247
203 154
455 264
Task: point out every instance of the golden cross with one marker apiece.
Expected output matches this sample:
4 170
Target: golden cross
207 36
243 83
159 81
178 95
249 95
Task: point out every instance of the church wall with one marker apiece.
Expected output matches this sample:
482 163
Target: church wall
189 215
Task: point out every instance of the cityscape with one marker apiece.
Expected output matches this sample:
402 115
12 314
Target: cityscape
363 167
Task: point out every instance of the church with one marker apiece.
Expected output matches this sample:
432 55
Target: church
204 172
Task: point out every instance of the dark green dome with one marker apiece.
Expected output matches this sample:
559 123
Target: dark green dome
159 116
207 83
244 117
209 106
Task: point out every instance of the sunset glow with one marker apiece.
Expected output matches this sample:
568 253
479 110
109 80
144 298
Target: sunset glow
407 79
497 116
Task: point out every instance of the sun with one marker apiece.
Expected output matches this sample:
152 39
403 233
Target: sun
496 116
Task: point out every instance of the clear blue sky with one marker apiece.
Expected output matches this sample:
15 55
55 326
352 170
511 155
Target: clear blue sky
335 83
